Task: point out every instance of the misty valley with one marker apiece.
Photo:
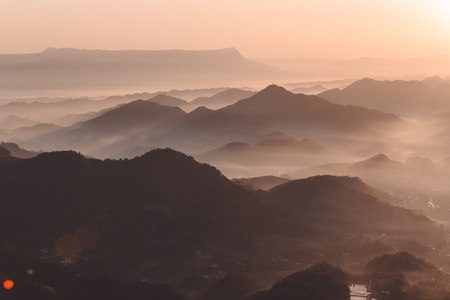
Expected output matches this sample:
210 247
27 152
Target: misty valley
224 187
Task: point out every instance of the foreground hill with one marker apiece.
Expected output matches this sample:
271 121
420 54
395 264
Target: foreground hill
405 276
164 216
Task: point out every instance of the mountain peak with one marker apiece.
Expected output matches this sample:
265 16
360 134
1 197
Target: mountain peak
273 88
167 100
379 158
364 83
273 91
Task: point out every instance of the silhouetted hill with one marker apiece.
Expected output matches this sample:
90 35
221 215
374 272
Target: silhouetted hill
376 162
155 210
149 125
260 183
287 112
15 151
319 282
416 98
324 200
400 262
416 175
165 216
187 94
51 110
278 141
13 122
265 152
405 276
31 132
166 100
138 114
205 129
222 99
313 90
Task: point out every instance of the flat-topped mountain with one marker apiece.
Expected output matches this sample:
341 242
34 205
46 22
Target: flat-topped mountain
81 70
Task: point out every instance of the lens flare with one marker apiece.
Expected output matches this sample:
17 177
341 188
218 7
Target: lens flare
8 284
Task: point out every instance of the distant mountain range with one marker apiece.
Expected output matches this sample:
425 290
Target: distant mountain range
19 112
76 70
222 99
263 154
272 109
416 176
320 69
404 98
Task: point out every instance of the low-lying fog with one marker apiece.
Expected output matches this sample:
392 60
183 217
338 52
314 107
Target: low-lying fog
276 131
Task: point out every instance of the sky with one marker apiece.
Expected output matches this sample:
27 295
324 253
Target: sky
260 29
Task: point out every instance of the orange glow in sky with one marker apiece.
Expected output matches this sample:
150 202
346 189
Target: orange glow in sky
258 29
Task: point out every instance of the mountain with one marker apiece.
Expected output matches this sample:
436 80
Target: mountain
287 112
204 128
107 128
415 179
260 183
165 216
86 70
15 151
148 125
403 275
314 196
274 142
138 114
222 99
13 122
313 90
378 161
278 141
264 154
187 94
31 132
405 98
321 282
54 111
166 100
272 109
